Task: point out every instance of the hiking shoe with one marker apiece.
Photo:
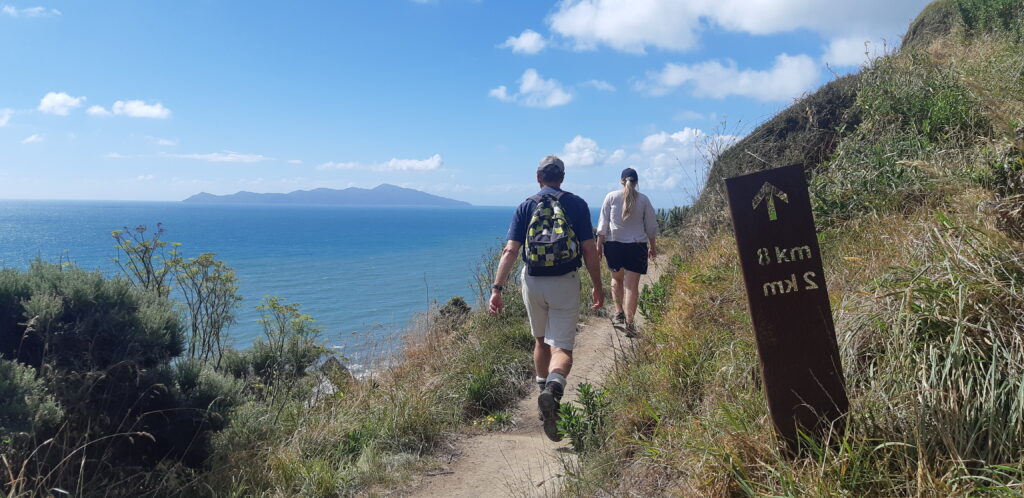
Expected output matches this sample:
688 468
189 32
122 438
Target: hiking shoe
619 318
548 402
631 330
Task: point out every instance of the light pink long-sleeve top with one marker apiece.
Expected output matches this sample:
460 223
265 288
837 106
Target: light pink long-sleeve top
641 225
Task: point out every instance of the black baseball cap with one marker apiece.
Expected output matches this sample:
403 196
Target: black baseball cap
551 168
630 173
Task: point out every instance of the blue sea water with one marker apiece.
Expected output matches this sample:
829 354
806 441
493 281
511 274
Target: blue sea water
361 272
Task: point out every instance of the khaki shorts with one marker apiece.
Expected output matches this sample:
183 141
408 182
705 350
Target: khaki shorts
553 304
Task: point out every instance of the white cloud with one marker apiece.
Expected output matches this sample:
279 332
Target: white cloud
580 152
853 50
673 161
59 103
791 76
666 161
604 86
115 155
294 161
628 25
140 109
98 111
500 93
224 157
431 163
528 42
534 91
32 139
5 117
144 178
12 11
132 109
635 25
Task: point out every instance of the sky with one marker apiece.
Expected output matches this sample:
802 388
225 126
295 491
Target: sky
156 101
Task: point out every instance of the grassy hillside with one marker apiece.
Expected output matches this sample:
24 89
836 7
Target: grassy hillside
917 180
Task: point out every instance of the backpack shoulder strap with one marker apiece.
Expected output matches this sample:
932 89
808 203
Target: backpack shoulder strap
556 195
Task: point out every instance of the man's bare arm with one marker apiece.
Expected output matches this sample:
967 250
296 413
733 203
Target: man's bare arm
592 260
505 264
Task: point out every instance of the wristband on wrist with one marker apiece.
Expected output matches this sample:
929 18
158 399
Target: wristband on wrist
497 287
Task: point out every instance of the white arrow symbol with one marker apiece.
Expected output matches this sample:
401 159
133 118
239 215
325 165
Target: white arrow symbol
768 193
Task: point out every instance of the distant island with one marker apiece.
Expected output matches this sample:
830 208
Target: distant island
382 195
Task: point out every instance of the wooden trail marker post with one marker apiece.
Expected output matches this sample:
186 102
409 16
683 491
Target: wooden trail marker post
789 305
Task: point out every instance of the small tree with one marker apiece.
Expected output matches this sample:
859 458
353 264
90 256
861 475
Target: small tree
210 290
208 287
146 262
292 340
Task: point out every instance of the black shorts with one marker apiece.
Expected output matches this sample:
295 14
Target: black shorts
632 256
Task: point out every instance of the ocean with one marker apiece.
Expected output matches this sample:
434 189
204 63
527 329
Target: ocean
361 272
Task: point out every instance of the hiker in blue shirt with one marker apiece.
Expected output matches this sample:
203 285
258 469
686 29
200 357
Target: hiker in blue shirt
553 231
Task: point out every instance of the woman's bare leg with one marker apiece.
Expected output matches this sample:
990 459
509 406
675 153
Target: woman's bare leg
631 282
617 289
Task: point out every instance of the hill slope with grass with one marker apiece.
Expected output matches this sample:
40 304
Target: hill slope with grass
916 167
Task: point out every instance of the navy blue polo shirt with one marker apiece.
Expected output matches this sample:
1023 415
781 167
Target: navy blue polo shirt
576 210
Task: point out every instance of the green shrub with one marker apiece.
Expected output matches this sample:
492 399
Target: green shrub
103 349
992 16
492 376
671 220
455 308
1004 174
25 404
205 389
868 177
913 95
654 299
584 425
913 110
236 363
290 344
79 320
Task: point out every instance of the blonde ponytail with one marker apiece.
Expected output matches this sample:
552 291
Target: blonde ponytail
629 199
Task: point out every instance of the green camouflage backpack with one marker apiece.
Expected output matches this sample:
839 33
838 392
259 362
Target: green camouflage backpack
550 239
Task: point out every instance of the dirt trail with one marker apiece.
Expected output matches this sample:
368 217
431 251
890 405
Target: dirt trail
522 461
